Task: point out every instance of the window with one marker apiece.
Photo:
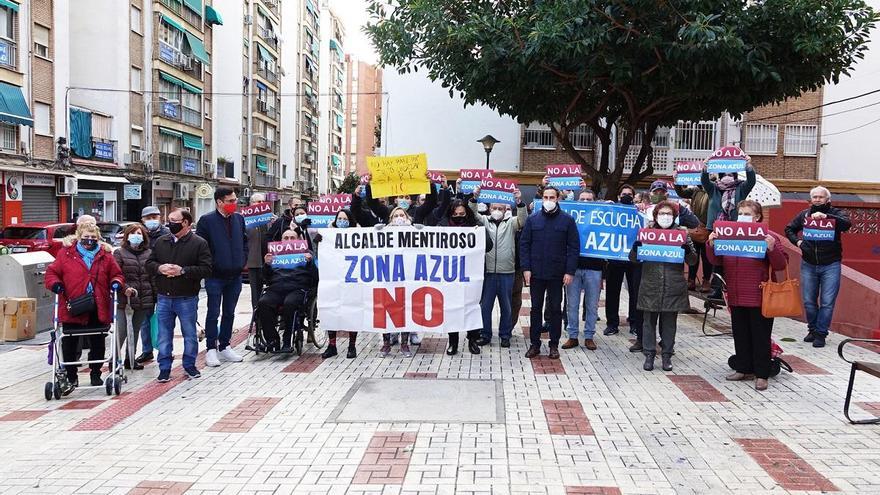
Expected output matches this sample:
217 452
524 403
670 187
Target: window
42 119
800 139
136 79
168 91
169 144
8 137
135 19
192 108
699 136
539 136
137 139
101 126
41 41
171 36
7 23
582 137
761 138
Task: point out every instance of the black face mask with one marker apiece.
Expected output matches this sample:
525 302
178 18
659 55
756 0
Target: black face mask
626 199
821 208
89 244
175 228
456 220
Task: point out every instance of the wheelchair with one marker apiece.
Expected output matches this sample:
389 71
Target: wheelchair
305 328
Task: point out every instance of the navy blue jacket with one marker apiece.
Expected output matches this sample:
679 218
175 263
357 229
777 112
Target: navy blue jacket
549 245
227 239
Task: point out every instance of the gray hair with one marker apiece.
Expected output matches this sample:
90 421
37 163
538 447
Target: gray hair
258 197
86 219
822 189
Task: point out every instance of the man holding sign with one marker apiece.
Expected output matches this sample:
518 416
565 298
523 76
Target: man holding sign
820 227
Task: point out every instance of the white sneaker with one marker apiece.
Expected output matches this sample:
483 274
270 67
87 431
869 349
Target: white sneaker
415 339
212 359
230 356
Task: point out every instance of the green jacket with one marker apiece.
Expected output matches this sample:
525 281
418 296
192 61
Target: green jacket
742 190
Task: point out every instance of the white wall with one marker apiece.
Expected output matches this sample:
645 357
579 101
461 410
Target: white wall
418 116
291 119
61 62
228 71
851 155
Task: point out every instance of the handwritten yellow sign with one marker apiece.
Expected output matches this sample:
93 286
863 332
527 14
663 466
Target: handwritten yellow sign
398 175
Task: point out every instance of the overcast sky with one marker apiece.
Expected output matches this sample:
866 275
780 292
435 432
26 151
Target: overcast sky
354 15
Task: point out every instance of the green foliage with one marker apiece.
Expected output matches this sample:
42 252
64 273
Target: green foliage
349 184
633 64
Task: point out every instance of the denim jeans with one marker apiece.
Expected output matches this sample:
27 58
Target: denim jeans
589 281
186 310
819 286
221 292
146 334
497 286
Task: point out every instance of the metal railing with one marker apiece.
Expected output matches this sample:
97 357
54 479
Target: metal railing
267 74
8 54
264 108
173 5
175 57
269 37
539 138
169 163
191 116
263 143
103 150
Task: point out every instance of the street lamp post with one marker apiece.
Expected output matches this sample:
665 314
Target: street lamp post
488 143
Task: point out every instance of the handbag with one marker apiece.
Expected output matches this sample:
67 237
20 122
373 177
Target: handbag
81 305
699 234
781 298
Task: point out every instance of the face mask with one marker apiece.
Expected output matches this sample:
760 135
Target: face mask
151 224
626 199
299 218
727 180
482 207
497 214
745 218
399 221
342 223
569 197
403 203
229 208
508 215
456 220
665 221
656 198
135 240
549 205
89 244
175 228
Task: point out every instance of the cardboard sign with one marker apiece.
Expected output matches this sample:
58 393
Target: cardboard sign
256 215
819 230
398 175
729 159
742 239
661 245
564 177
402 278
471 178
498 191
289 254
688 173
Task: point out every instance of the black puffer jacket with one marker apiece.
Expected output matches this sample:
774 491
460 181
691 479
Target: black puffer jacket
283 281
133 263
819 252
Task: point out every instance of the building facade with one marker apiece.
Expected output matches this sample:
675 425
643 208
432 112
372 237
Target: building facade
363 113
331 101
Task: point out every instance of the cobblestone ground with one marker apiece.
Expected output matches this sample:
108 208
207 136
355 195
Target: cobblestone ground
593 422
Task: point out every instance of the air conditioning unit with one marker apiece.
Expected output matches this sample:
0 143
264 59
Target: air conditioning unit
181 190
138 156
67 186
248 20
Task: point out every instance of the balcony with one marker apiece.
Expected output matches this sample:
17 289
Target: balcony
269 111
191 117
268 75
193 18
8 54
173 5
265 180
169 163
269 37
170 111
175 57
263 143
103 150
272 5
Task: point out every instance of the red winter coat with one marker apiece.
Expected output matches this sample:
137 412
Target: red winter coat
70 269
744 275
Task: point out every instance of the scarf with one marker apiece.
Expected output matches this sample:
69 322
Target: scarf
88 258
728 196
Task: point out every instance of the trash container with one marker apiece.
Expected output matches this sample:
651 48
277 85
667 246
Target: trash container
22 275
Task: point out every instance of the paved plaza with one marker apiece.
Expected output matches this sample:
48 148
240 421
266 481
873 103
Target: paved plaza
592 422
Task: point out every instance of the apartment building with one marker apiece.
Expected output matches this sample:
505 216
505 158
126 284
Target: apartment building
363 112
331 102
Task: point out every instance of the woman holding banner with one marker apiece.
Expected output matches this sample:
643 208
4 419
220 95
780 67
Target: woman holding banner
398 218
344 219
663 291
751 330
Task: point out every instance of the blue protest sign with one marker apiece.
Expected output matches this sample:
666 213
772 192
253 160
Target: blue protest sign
819 229
741 248
257 214
607 230
287 255
660 253
498 191
725 166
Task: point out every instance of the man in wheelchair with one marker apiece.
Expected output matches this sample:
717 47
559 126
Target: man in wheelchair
288 292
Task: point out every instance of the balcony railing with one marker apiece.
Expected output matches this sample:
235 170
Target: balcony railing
103 150
193 18
191 116
269 37
175 57
8 54
173 5
267 180
267 74
171 111
269 111
263 143
272 5
169 163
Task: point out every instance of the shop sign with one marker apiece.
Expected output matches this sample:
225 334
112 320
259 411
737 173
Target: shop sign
131 191
41 180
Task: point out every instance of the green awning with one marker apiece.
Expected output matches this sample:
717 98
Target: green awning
335 46
212 16
262 166
197 48
172 23
170 132
336 160
264 53
13 107
9 5
178 82
192 142
260 8
194 5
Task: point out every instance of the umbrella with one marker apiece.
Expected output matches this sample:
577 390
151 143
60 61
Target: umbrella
765 193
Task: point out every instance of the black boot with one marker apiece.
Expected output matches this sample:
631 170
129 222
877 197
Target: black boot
329 352
649 362
95 377
473 347
666 361
286 346
352 350
452 347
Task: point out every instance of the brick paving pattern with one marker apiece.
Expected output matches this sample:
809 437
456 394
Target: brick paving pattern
697 389
386 460
417 374
306 363
245 416
803 367
566 417
433 345
80 404
543 365
160 488
592 490
784 466
23 415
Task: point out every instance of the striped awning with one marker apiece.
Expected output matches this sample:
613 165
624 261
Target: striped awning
13 107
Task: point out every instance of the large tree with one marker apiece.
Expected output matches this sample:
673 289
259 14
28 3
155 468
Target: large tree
629 65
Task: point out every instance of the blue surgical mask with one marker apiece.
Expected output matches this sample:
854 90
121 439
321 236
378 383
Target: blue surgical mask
342 223
403 203
135 240
151 224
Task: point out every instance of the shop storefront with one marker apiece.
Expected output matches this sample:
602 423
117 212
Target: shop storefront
39 199
31 195
99 196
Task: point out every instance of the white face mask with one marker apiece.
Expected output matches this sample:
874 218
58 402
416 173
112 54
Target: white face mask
507 215
399 221
497 215
549 204
745 218
299 218
665 221
569 197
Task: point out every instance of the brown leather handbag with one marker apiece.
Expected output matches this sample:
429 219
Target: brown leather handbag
699 234
781 298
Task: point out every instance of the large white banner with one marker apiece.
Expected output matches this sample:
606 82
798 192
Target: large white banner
401 279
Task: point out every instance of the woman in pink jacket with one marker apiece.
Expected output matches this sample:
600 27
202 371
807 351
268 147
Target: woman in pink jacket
751 330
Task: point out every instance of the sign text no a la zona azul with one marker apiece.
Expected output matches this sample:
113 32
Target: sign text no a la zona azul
663 245
819 229
743 239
